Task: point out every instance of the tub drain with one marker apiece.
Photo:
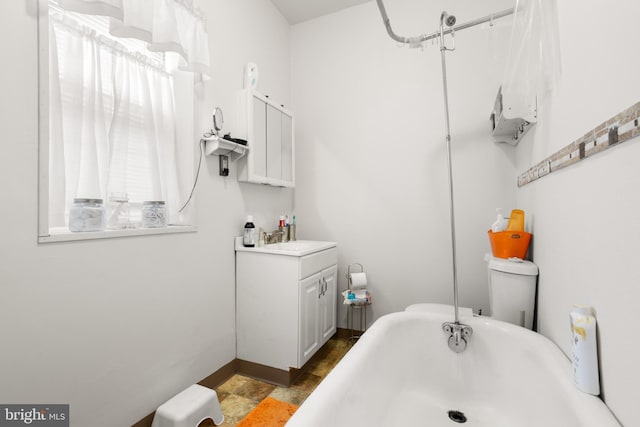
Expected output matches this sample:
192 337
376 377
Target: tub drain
457 417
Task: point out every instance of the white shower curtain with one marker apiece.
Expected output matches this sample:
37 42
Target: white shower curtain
112 123
533 66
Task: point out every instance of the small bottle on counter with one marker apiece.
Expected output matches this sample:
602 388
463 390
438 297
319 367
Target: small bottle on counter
249 237
287 229
260 237
282 228
292 229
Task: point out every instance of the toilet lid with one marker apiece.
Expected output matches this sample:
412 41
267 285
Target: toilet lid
513 266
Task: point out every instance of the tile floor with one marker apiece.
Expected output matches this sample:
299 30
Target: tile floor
240 394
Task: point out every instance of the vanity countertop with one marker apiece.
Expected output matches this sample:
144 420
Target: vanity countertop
293 248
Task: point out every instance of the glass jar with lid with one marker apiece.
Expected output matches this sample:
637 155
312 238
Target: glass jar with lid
118 210
86 215
154 214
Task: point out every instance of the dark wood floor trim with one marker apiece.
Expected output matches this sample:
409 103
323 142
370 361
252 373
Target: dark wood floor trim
254 370
213 381
218 378
263 373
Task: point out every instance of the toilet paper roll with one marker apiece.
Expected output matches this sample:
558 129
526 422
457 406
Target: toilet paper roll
358 279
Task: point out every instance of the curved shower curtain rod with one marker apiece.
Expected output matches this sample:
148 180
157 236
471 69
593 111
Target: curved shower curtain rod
425 37
459 333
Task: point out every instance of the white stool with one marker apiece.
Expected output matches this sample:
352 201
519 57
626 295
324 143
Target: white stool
189 408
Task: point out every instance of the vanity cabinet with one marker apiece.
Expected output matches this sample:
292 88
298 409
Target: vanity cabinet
286 305
270 138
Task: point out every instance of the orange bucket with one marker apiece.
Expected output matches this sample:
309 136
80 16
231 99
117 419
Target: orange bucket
509 244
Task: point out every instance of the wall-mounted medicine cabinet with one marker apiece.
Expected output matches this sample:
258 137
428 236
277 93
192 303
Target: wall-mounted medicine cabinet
512 117
270 137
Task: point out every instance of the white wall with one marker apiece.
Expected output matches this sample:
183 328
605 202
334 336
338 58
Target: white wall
371 153
116 327
584 218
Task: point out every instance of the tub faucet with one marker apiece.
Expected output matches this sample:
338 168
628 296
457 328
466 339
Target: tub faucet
458 335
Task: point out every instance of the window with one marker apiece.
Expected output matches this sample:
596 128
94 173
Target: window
109 131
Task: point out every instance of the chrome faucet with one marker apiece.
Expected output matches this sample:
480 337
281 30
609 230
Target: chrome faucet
273 237
458 335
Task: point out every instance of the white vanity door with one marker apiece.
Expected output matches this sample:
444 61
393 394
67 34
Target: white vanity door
328 304
308 310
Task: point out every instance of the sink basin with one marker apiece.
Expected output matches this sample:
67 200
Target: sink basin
298 245
295 248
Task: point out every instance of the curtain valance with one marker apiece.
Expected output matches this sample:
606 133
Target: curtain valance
170 26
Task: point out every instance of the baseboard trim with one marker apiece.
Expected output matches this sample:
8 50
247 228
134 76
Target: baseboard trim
146 421
263 373
348 333
213 381
218 378
278 376
255 370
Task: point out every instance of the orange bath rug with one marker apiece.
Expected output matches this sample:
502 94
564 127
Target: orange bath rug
269 413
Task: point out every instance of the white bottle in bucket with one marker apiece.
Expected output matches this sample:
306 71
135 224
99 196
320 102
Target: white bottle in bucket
500 224
584 349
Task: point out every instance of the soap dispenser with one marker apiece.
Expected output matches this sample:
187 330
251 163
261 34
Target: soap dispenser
499 223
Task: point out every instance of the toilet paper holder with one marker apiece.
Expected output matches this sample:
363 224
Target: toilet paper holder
349 281
360 302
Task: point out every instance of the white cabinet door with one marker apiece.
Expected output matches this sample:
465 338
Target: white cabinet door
258 150
288 172
308 310
274 143
328 304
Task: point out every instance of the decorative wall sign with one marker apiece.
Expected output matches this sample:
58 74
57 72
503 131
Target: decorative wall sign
618 129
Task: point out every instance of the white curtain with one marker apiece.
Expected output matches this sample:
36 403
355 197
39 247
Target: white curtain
533 63
112 123
169 26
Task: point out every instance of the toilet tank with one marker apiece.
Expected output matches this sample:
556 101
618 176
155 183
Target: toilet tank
512 290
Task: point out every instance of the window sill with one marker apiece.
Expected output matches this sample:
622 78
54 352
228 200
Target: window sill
64 235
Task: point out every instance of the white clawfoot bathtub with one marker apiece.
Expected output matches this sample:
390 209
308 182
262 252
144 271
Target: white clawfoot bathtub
402 373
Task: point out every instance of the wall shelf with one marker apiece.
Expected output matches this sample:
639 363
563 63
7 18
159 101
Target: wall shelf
222 147
508 128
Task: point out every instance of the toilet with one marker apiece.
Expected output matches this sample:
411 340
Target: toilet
512 290
512 293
